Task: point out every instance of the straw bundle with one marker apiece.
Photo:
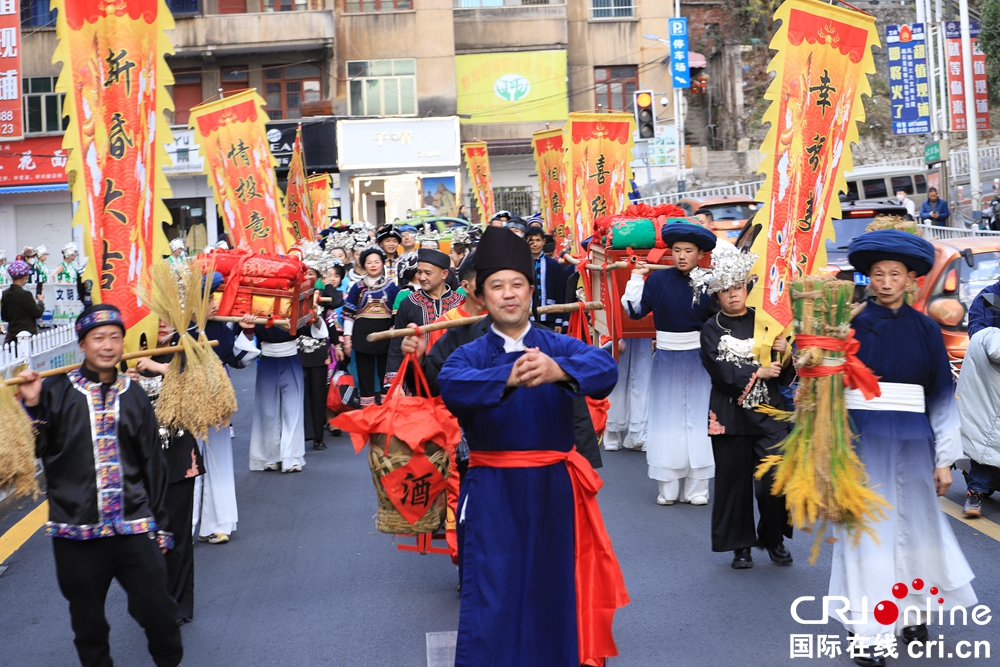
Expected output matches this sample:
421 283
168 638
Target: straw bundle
17 447
818 470
197 393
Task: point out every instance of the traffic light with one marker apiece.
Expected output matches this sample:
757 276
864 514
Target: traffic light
645 115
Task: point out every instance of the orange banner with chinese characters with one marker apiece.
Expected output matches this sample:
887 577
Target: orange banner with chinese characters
550 161
477 160
598 158
822 62
319 199
240 168
299 226
115 77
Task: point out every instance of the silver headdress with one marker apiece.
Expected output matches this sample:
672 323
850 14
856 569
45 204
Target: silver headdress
730 267
314 257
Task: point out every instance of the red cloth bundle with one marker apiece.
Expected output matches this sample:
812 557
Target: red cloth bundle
243 269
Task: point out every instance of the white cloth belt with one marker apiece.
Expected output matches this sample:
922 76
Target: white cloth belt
896 397
286 349
671 340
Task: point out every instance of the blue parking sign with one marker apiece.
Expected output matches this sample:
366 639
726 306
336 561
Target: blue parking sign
680 70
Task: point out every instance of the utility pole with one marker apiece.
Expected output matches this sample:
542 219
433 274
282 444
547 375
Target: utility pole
924 16
970 113
679 123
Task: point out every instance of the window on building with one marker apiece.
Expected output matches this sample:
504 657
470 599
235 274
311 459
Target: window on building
612 9
614 87
187 94
183 7
286 88
376 5
285 5
42 106
383 87
232 6
37 13
234 78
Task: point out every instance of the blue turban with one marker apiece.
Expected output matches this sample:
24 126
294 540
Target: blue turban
217 281
408 228
688 232
891 244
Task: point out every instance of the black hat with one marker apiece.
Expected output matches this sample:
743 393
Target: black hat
502 249
98 315
370 250
517 223
387 232
435 257
550 244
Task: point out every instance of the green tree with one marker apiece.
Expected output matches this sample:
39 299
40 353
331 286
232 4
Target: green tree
989 40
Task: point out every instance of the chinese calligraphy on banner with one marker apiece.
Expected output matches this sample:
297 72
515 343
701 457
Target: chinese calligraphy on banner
11 120
477 160
550 161
114 77
599 155
298 226
909 92
241 170
956 80
319 198
822 62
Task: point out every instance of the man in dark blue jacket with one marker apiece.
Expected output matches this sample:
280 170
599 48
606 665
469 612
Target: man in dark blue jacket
550 278
935 209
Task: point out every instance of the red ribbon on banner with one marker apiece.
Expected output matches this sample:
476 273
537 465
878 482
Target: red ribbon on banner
856 374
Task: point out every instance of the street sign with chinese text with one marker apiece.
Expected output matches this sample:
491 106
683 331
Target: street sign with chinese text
909 91
956 80
11 114
936 152
33 161
680 70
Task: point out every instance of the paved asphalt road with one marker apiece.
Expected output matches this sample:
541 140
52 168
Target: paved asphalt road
306 580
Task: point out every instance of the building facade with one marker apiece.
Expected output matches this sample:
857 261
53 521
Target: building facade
497 70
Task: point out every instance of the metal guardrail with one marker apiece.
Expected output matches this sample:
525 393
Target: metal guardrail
989 160
748 189
910 162
936 233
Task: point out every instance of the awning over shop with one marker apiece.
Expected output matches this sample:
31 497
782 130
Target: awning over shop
21 189
696 60
32 162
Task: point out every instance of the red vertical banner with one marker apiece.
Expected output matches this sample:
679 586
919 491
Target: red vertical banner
319 198
11 120
550 162
299 226
115 78
956 77
598 158
477 159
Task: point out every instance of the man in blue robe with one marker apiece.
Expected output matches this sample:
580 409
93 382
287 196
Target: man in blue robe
908 440
528 496
678 447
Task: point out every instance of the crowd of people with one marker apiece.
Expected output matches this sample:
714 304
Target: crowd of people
519 386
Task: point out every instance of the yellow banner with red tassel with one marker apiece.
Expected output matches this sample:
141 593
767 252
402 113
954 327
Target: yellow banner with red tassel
319 199
477 160
299 226
240 167
550 162
822 62
599 155
115 77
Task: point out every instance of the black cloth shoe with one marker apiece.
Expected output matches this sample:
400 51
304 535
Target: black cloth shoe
742 560
973 504
915 633
336 432
319 445
779 554
869 661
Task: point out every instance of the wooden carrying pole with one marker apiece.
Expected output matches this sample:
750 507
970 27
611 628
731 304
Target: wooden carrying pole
258 320
155 352
464 321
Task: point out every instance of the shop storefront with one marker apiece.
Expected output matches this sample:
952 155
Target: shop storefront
191 204
35 207
392 166
319 142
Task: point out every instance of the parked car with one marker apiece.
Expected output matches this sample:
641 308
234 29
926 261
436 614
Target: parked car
962 268
441 224
730 212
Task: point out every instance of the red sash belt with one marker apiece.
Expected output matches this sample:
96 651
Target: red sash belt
600 586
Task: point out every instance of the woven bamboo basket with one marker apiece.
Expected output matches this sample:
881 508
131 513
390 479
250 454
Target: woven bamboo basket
388 519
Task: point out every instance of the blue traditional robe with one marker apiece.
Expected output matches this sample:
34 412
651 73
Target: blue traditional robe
900 451
677 446
516 524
